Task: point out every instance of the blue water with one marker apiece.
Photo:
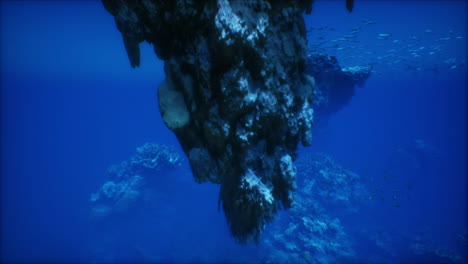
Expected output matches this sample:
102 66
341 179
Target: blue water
71 106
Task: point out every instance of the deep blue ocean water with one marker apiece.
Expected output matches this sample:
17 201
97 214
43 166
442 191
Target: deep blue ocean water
71 106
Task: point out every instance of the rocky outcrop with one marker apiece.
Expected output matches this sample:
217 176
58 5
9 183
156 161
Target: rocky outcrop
236 94
334 86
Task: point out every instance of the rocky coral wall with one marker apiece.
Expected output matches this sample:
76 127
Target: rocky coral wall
236 94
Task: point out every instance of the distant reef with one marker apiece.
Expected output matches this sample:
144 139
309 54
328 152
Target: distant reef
334 86
132 183
236 94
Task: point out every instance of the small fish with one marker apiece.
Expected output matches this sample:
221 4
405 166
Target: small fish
427 31
451 60
384 35
459 37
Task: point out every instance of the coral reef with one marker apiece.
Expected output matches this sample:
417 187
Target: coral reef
308 233
129 181
324 179
334 86
236 94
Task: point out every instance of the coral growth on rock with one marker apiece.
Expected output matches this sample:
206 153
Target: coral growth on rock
236 94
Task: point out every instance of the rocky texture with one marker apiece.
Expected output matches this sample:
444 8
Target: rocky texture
334 85
236 94
325 180
130 182
309 233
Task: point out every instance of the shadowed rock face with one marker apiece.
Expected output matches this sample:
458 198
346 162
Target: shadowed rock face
236 94
334 86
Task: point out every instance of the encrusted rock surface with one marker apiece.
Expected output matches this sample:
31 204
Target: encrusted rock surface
236 94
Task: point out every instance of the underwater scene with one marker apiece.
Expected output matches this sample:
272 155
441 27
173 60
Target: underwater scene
233 131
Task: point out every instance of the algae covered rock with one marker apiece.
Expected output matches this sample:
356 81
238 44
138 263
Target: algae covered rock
236 94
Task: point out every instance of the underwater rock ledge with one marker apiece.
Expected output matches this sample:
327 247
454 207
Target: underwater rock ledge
334 86
236 94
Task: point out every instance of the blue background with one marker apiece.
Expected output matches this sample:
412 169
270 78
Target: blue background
71 106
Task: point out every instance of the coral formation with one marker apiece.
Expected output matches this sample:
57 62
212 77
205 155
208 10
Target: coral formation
307 236
329 182
308 233
128 181
236 94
